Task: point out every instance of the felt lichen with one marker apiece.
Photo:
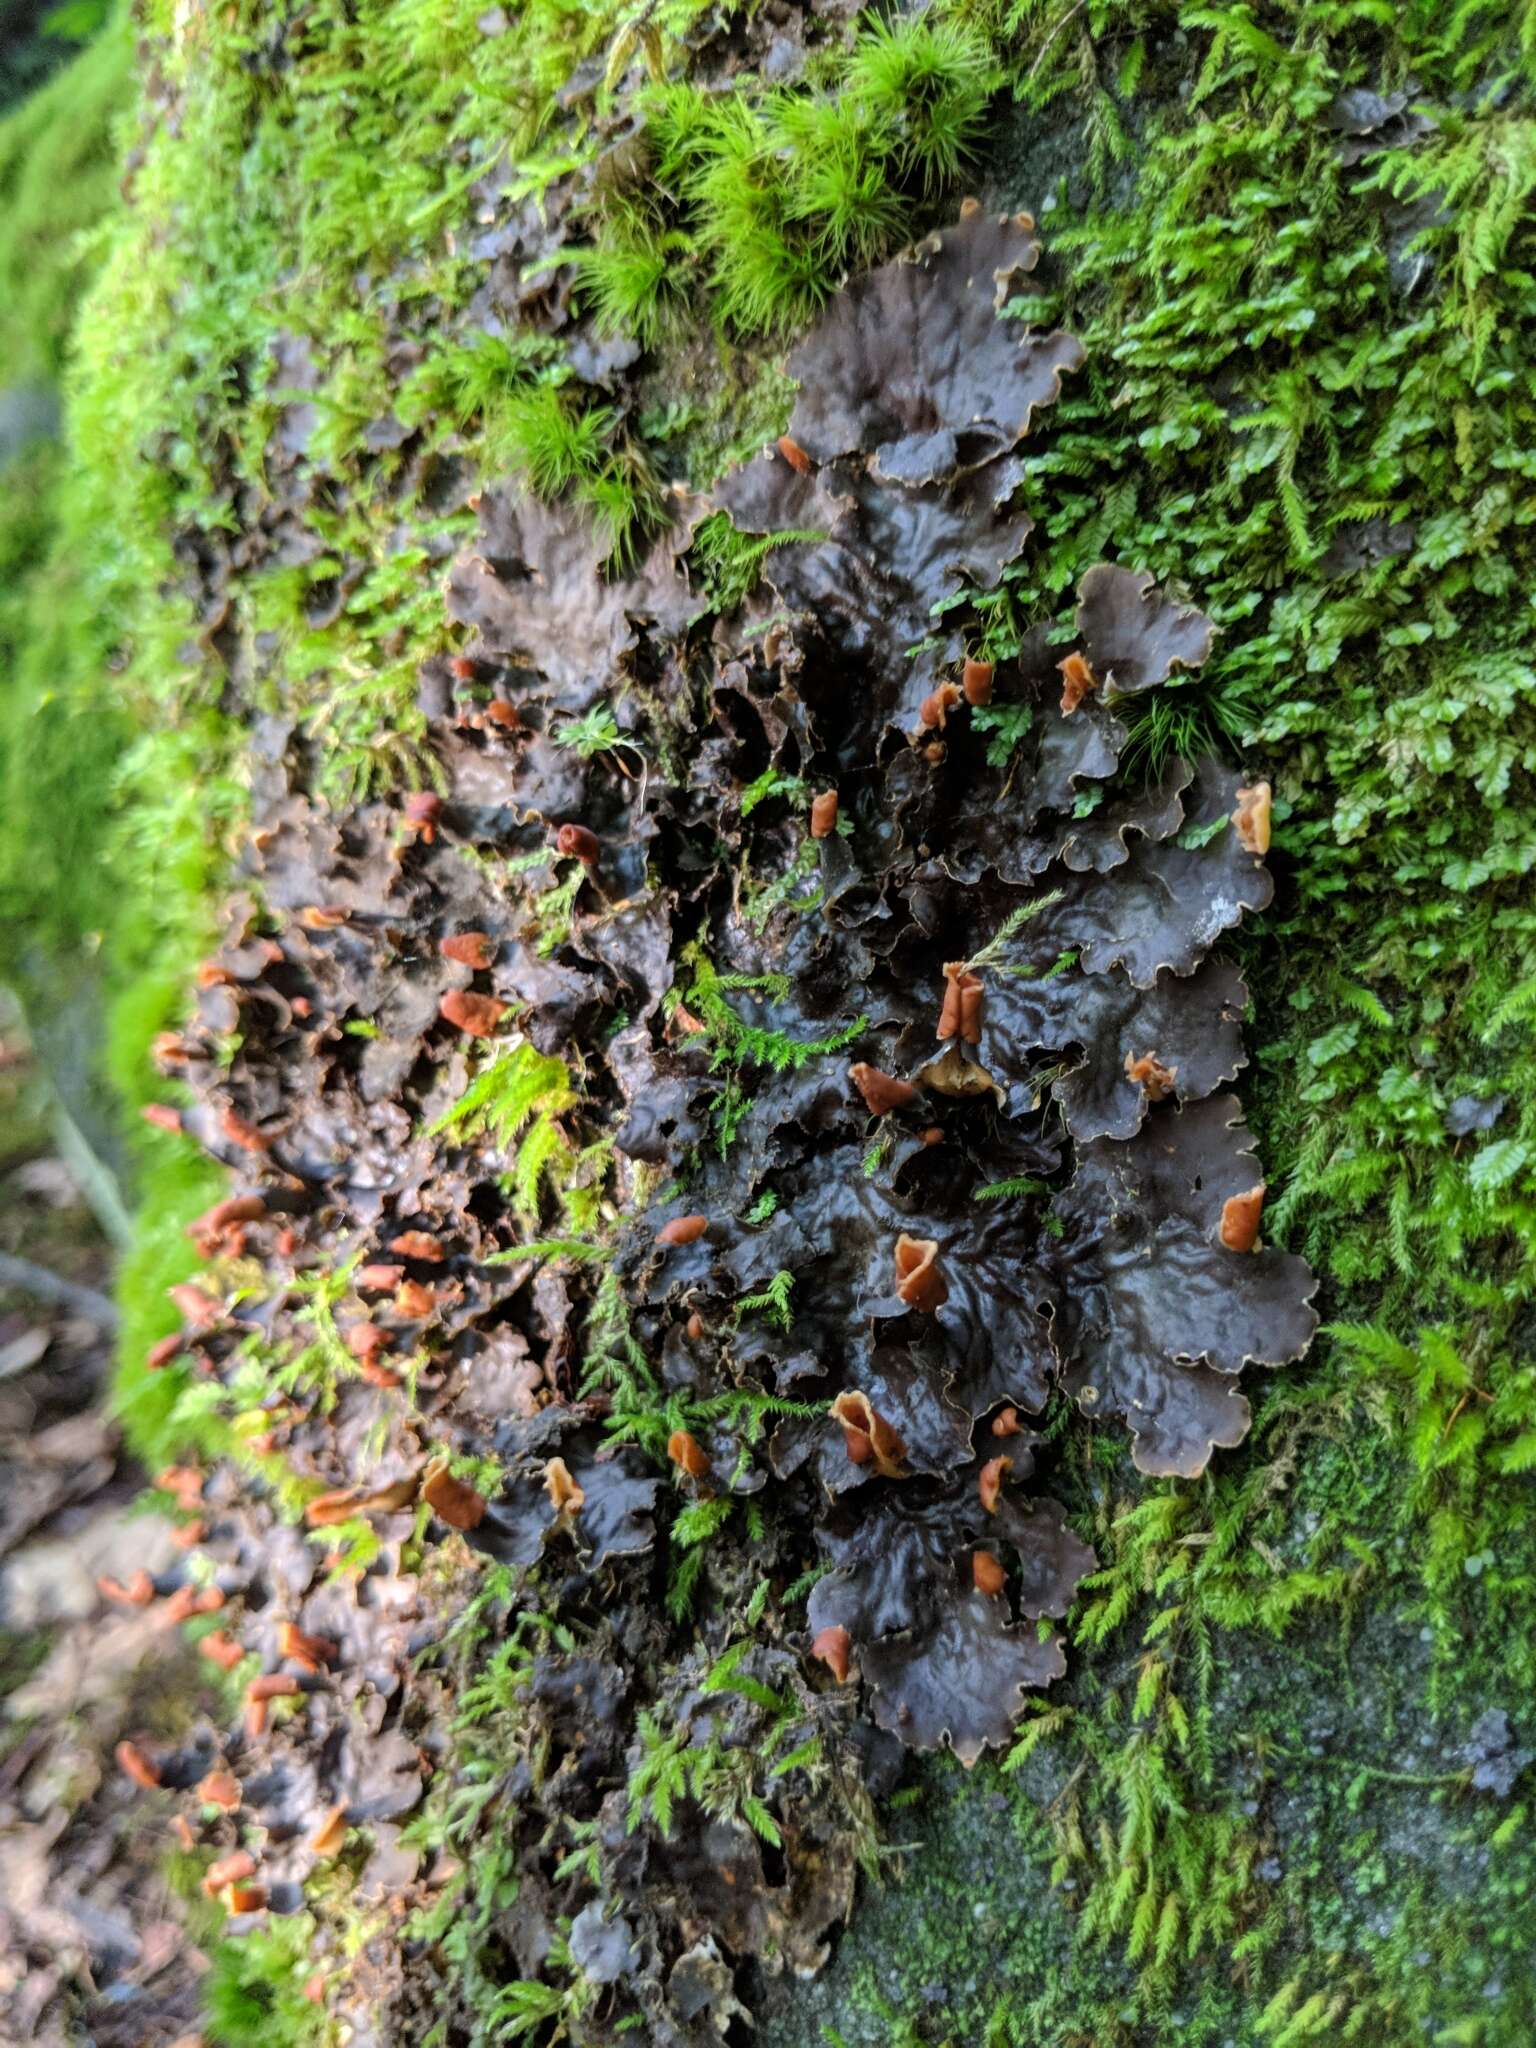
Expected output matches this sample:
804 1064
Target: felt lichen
834 1354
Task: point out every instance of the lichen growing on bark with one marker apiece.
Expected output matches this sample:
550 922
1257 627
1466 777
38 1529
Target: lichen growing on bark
589 974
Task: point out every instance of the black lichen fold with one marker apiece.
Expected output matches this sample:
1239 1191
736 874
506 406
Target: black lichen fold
889 1068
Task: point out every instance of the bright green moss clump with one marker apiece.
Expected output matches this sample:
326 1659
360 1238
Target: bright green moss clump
767 199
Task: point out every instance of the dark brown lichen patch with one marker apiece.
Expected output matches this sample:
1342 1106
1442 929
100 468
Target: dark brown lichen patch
727 1093
1133 636
914 365
1170 1298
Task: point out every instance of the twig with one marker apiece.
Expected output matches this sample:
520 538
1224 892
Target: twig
44 1285
1055 32
94 1178
97 1181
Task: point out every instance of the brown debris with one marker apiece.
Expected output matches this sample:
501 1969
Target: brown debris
418 1245
197 1308
987 1575
328 1839
185 1482
234 1868
989 1482
243 1133
682 1230
565 1496
958 1078
832 1645
470 949
134 1763
794 455
688 1454
343 1502
976 681
138 1592
310 1653
188 1601
579 840
220 1788
259 1695
273 1685
423 814
327 1509
379 1279
221 1649
936 706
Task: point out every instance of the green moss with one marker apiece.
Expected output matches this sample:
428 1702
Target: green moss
175 1184
766 197
58 158
559 447
254 1994
633 279
59 155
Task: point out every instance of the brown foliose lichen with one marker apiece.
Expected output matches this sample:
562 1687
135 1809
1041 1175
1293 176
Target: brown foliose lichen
1027 1184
